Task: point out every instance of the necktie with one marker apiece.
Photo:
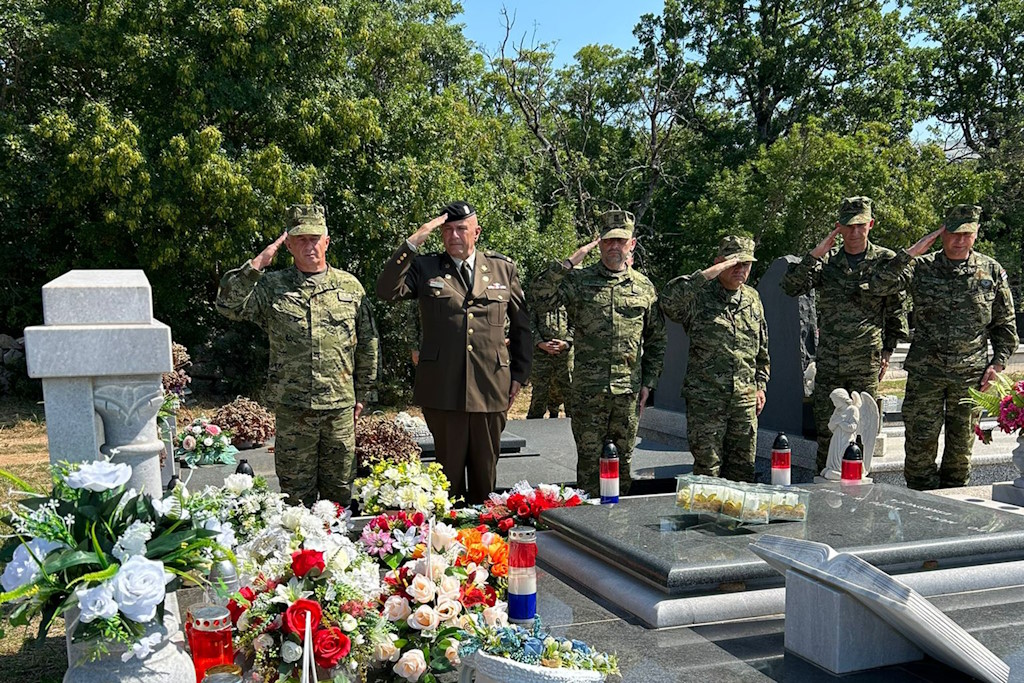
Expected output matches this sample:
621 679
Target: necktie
467 275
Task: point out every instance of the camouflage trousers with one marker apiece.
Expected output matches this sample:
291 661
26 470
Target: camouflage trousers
854 379
723 436
933 401
315 454
550 381
596 416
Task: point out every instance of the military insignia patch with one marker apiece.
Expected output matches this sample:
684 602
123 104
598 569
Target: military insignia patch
496 285
436 283
1002 275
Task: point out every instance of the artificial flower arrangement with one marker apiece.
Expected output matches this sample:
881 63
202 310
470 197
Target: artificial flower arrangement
110 552
522 504
410 486
245 504
395 537
425 601
204 443
486 550
303 563
532 646
1006 403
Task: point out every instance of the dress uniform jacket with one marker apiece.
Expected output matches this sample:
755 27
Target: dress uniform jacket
464 362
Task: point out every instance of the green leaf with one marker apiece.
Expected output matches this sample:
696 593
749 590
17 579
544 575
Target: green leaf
107 573
20 483
65 559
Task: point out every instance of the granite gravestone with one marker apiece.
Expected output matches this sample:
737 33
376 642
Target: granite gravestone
668 395
791 333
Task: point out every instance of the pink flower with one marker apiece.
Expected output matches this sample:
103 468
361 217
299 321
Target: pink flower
212 430
189 443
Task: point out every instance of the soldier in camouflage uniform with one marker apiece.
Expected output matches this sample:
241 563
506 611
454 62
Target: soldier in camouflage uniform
727 368
961 303
857 330
552 360
323 355
619 345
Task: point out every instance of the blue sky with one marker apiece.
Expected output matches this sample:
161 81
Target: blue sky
570 23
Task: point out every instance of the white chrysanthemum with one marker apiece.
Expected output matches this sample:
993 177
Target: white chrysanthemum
133 540
238 483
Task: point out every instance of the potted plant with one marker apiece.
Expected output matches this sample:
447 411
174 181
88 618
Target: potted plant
378 439
250 423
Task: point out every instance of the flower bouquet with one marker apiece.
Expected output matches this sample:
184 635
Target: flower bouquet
395 537
246 503
1006 403
522 504
111 553
204 443
504 652
410 486
484 550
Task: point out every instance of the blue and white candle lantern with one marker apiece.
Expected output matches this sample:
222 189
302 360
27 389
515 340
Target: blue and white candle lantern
522 574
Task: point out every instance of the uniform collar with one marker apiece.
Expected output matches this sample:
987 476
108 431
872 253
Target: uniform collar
624 274
471 260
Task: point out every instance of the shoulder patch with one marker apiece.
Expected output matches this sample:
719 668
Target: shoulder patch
1002 275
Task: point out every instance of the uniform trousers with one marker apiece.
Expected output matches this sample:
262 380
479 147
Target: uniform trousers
549 379
933 401
722 435
595 417
467 447
315 454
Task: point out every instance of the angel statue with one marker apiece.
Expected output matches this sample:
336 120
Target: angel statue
856 414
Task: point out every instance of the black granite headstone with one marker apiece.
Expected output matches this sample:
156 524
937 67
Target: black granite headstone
668 394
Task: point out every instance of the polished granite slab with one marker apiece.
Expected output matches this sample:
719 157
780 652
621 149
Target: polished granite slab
895 529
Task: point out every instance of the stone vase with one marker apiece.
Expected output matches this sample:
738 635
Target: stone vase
168 663
1018 461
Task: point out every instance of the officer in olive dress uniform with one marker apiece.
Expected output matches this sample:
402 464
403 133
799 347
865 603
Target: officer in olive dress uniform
323 355
467 377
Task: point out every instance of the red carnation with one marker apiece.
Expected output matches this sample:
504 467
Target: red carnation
329 646
295 616
305 560
237 608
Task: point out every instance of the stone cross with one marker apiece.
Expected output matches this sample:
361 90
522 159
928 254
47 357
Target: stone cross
100 355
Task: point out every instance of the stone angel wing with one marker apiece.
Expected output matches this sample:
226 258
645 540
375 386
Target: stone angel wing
870 420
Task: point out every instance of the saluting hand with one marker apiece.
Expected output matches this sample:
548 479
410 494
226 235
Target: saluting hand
826 244
423 232
719 268
581 253
922 246
266 257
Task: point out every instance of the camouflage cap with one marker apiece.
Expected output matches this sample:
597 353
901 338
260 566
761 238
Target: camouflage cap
457 211
306 219
855 210
616 225
963 218
737 246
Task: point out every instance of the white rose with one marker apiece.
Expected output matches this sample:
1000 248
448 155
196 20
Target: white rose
23 569
421 589
443 536
386 651
208 441
452 654
425 618
96 602
411 666
448 610
237 484
349 623
292 517
263 641
171 507
197 430
396 608
481 576
339 561
99 475
291 652
449 589
139 588
497 615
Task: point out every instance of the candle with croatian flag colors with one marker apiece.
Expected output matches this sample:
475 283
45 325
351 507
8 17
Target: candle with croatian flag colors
522 574
609 466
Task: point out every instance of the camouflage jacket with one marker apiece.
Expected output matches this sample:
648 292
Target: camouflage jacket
617 329
958 309
728 336
854 323
323 340
547 322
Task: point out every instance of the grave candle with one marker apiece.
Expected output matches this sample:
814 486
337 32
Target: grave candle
853 463
781 455
609 473
208 628
522 574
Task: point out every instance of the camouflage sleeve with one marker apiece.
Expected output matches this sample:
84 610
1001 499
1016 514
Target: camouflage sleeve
539 326
802 277
893 276
655 342
679 296
1002 331
764 369
547 294
520 346
367 353
895 324
239 296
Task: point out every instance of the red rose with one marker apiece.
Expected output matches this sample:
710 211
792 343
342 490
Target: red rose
329 646
506 524
523 510
471 596
572 502
305 560
418 518
237 607
295 616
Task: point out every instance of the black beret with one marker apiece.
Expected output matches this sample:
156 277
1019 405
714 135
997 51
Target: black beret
457 211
